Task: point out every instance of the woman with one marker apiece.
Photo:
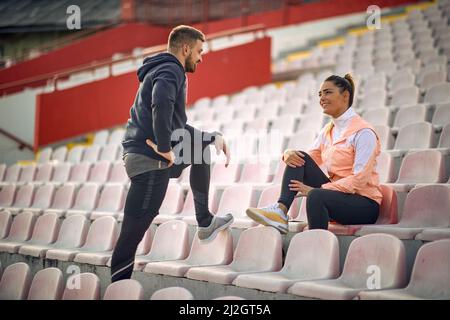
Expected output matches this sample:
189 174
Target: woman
348 147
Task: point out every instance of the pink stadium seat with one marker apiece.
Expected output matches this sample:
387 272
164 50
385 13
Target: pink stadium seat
405 97
109 153
425 207
72 234
101 238
61 173
83 286
301 140
235 200
5 223
99 172
63 199
2 171
259 249
284 125
21 229
27 174
42 199
426 166
111 201
91 153
444 140
187 214
86 200
116 136
172 293
7 193
44 155
101 137
378 116
217 252
255 172
430 278
124 290
44 232
373 262
12 173
312 255
438 93
60 154
47 284
24 198
80 173
441 116
415 136
386 168
75 154
409 115
224 175
15 282
172 204
388 214
118 174
44 173
170 242
229 298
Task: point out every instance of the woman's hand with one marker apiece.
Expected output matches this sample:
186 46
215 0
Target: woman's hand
293 158
301 188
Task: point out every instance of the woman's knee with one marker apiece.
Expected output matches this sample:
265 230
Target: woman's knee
314 198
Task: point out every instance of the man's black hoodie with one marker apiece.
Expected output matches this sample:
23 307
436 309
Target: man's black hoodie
159 106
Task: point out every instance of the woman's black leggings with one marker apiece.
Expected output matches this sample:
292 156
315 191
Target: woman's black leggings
322 204
146 194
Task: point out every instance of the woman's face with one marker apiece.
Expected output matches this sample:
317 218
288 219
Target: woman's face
333 102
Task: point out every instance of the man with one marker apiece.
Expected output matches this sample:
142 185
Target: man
156 118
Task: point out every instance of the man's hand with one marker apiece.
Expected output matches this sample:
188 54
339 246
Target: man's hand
221 145
301 188
293 158
167 155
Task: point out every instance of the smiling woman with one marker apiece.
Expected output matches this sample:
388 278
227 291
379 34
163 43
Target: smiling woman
348 147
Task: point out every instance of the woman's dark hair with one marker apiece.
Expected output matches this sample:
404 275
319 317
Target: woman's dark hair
344 83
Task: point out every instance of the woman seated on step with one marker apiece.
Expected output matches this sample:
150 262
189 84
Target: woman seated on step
348 148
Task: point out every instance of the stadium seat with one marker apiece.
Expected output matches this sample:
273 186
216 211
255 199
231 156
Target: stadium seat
27 174
7 196
5 223
235 200
75 154
15 282
100 239
386 137
441 116
172 204
172 293
425 207
85 201
405 96
91 153
43 197
44 232
112 198
83 286
118 174
386 168
427 166
373 262
312 255
438 94
44 155
430 278
108 153
47 284
23 199
72 234
170 242
128 289
378 116
43 174
116 136
217 252
259 249
20 231
61 173
409 115
100 172
59 154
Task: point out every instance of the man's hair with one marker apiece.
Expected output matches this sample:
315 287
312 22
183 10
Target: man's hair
183 35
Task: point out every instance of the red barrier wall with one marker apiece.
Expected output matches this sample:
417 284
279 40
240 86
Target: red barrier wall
106 103
96 47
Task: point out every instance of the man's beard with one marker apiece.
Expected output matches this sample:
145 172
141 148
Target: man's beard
189 64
